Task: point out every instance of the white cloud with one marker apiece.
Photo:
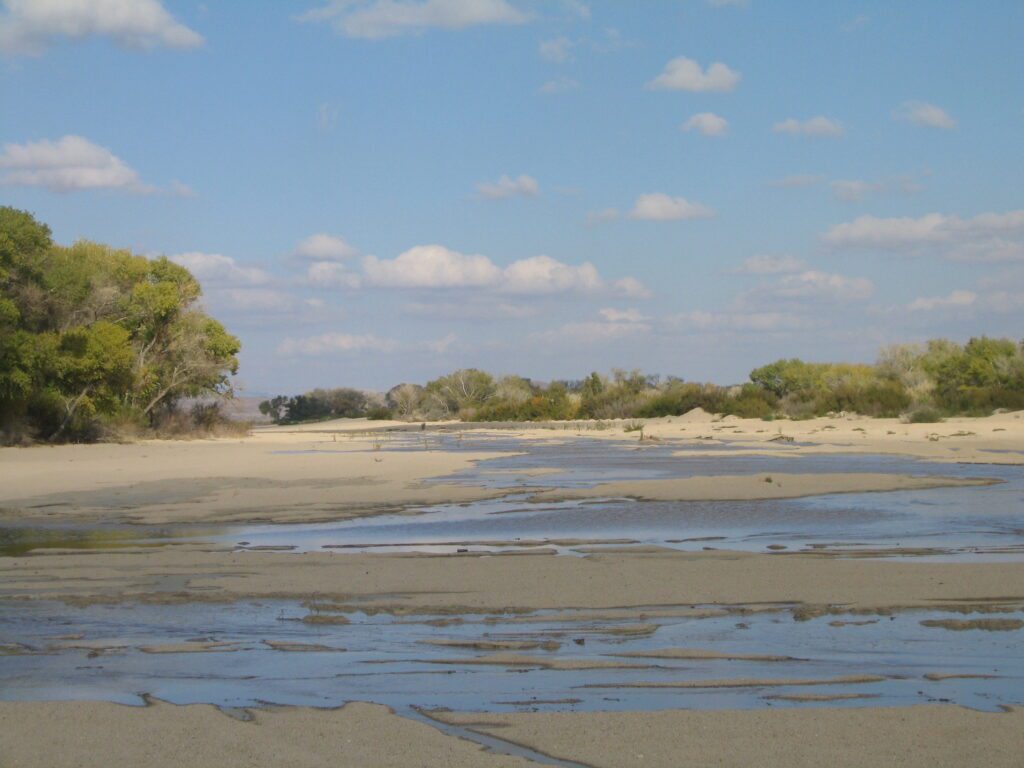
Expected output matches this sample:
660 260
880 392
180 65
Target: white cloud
683 74
956 299
925 114
631 288
813 284
770 264
326 117
542 274
556 50
432 266
70 163
253 299
613 315
217 269
30 26
855 190
815 126
593 331
331 274
754 322
657 206
331 343
985 237
559 85
708 124
442 345
523 185
376 19
324 247
798 181
599 217
471 308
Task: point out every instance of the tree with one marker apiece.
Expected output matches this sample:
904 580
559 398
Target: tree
89 331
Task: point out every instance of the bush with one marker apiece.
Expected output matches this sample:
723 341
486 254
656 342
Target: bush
380 413
923 416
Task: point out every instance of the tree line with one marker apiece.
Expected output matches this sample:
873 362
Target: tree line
919 382
97 341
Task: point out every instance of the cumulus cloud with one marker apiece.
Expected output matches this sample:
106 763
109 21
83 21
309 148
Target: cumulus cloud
434 266
657 206
556 50
30 26
377 19
985 237
820 126
521 186
324 247
331 274
683 74
333 343
955 299
558 85
542 274
218 269
816 285
770 264
631 288
797 181
707 123
924 114
68 164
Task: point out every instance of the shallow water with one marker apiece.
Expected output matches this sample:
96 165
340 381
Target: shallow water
385 659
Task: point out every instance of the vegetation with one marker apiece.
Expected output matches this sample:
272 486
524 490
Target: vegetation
921 383
319 405
94 339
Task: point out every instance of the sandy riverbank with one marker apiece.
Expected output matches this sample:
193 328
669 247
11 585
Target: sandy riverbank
925 736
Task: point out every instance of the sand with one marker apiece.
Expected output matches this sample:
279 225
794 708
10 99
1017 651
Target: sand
415 584
103 735
925 736
268 477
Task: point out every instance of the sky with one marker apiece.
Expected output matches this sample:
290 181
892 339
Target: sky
378 191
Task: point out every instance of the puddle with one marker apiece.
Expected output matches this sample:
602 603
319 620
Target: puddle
96 652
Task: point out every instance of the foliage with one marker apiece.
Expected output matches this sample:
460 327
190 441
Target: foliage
90 335
318 405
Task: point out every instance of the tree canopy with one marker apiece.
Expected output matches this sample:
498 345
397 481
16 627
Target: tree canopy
90 334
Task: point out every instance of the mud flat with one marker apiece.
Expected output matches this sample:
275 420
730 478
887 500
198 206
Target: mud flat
926 736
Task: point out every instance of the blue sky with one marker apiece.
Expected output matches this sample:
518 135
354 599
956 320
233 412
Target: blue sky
374 191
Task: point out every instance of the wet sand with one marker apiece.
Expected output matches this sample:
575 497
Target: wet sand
480 584
755 487
103 735
925 736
